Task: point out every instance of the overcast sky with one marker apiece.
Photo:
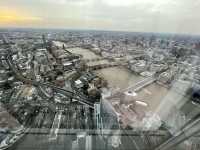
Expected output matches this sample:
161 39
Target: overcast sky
175 16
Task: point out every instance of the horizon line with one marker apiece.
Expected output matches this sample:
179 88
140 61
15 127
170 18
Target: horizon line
98 30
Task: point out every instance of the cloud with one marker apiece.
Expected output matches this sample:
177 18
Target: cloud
63 2
130 15
119 3
13 17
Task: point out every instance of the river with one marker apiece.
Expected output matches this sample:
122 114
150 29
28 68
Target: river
121 77
87 54
170 104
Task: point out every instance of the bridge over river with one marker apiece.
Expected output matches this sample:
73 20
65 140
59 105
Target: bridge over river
135 87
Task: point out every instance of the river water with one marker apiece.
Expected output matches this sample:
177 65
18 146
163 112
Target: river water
171 105
85 52
167 103
156 96
121 77
118 77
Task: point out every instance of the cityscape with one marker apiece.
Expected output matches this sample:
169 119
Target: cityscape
88 89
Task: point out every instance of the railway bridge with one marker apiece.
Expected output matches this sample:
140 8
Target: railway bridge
106 65
94 59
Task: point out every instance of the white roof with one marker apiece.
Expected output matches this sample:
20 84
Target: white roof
67 63
78 82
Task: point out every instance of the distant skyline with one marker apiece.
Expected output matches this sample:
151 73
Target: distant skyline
168 16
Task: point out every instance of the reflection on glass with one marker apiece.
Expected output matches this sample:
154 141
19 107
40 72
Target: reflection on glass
63 89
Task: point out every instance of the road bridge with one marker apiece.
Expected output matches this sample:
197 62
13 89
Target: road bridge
135 87
139 85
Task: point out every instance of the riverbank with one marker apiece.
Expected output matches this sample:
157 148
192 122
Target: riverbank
121 77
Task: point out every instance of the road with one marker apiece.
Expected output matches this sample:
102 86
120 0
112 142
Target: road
77 96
